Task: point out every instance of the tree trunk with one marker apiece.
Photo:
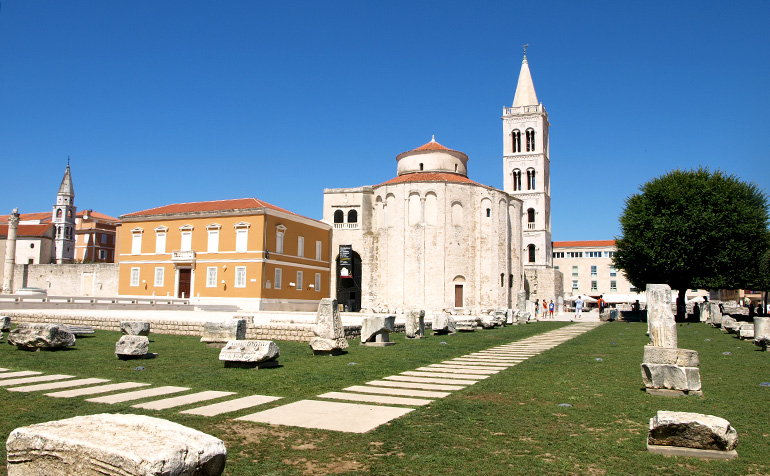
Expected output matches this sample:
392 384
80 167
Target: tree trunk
681 306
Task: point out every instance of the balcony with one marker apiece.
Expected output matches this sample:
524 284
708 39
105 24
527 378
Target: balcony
508 111
530 226
346 226
183 256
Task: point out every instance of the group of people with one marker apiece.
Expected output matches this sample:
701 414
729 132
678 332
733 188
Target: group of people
548 308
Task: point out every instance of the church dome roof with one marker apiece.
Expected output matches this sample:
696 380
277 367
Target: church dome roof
432 157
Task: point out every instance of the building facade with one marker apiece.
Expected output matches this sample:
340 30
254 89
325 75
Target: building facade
430 238
251 252
588 270
95 236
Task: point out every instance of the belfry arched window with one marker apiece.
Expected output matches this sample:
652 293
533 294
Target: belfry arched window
530 179
516 180
530 140
339 216
531 219
516 140
352 216
531 252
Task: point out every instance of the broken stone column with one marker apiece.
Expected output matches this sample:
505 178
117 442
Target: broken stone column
660 317
10 252
252 354
415 324
330 334
375 330
706 433
35 336
135 328
666 369
132 347
715 314
762 332
219 333
443 323
114 444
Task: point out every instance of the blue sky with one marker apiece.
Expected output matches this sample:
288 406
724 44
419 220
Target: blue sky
179 101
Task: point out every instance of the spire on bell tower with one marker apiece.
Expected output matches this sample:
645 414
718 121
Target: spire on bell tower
63 220
525 89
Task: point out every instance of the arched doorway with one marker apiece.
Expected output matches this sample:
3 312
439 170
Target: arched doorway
349 287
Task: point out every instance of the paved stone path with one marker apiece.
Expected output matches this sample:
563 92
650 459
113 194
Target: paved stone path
411 388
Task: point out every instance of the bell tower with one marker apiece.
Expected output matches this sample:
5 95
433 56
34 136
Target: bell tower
527 168
63 220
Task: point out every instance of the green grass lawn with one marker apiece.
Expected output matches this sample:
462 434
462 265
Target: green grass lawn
510 423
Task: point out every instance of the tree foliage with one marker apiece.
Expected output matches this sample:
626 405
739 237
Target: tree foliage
694 229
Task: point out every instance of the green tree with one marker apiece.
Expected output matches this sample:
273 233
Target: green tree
694 229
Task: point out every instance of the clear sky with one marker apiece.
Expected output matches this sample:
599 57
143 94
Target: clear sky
160 102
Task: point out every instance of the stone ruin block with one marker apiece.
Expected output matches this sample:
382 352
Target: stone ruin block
113 444
762 332
730 325
217 334
415 324
443 324
132 347
671 377
692 430
5 324
135 328
466 325
715 314
330 334
661 355
660 317
79 330
746 331
250 354
375 330
37 336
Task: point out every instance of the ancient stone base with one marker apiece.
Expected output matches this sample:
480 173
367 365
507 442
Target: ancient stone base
251 365
665 392
377 344
691 452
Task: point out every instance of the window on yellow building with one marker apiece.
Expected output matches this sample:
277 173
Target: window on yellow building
158 277
301 247
213 243
318 247
211 277
240 276
134 276
278 276
318 282
299 280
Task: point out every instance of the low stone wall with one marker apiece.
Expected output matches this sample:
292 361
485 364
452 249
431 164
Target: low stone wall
273 331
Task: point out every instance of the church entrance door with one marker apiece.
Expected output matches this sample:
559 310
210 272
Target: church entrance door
349 286
458 295
185 275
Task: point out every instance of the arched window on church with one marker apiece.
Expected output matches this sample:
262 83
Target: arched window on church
531 219
516 140
339 216
58 213
530 179
516 180
530 140
531 251
352 216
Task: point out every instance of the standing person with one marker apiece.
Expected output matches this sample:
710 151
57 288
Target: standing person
545 309
550 308
537 307
602 304
578 307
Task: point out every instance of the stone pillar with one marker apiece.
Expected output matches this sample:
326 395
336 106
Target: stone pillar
762 332
521 300
660 318
560 306
10 252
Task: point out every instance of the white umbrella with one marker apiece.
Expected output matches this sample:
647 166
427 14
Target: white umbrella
624 298
585 298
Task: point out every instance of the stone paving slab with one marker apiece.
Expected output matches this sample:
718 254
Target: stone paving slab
452 375
22 373
475 362
493 360
336 416
3 370
448 381
42 378
53 386
96 390
358 397
231 405
139 394
183 400
477 368
415 385
451 370
396 391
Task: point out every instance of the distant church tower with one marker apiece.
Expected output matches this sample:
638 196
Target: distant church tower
64 221
527 169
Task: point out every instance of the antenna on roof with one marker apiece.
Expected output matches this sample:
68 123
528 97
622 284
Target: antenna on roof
68 161
433 138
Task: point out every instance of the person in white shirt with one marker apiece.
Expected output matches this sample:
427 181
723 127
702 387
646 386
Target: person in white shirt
578 307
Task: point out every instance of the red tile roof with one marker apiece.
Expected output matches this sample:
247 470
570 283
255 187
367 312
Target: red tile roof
432 145
212 206
429 177
27 231
100 216
582 244
43 217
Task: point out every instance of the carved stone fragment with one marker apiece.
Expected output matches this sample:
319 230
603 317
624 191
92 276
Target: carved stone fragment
692 430
41 336
135 328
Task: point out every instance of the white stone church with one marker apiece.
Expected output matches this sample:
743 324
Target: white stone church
431 238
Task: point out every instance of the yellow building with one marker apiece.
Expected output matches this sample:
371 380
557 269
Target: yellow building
245 251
